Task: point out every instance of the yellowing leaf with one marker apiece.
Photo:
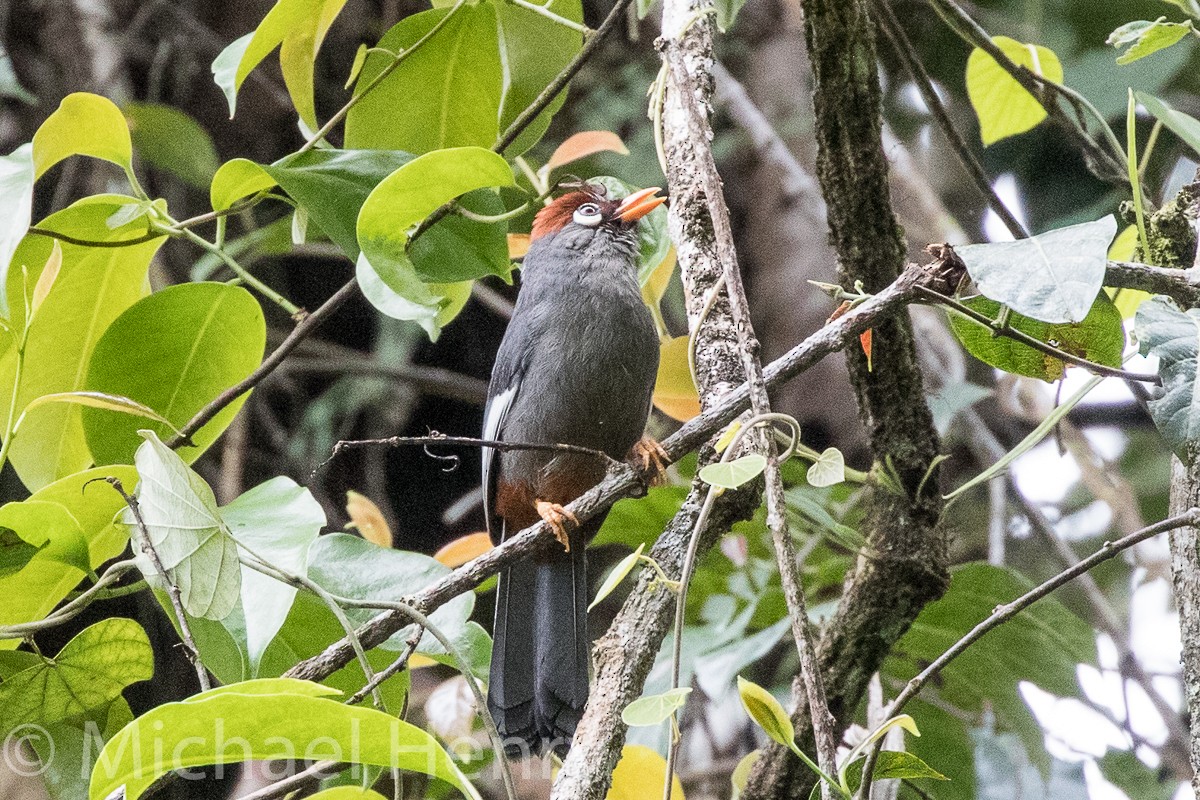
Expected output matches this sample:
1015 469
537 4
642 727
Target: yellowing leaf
640 774
728 436
369 520
1003 106
766 712
655 285
732 474
518 245
674 390
741 773
1122 249
463 549
83 125
584 144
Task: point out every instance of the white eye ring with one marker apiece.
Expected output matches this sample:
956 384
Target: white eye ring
587 214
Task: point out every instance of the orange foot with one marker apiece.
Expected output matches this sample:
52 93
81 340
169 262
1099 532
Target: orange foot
557 518
650 457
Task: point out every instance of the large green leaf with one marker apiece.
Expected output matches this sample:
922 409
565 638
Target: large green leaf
276 718
185 528
1003 106
68 749
278 520
1053 277
534 50
51 528
1043 646
352 567
236 179
16 206
298 28
94 286
1172 335
449 89
89 672
1100 337
83 125
172 140
410 194
36 589
191 342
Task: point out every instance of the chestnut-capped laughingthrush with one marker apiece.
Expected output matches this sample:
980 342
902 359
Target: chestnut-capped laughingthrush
576 366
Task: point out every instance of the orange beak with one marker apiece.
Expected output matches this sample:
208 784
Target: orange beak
639 204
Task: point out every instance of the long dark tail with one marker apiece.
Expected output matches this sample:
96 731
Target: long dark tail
539 675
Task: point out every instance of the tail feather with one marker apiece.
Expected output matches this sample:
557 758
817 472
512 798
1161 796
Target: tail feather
539 675
560 602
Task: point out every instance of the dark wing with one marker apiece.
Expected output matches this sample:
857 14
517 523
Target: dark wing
502 392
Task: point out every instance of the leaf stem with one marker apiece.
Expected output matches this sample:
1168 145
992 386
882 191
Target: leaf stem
293 310
1036 344
550 15
1135 183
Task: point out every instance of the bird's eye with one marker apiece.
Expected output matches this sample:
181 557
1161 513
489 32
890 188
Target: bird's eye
588 214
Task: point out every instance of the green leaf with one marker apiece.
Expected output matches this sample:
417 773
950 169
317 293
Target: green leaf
1164 331
94 285
34 591
617 574
15 552
183 524
278 520
351 567
83 125
16 205
829 469
191 342
173 141
89 672
893 765
1052 277
50 527
347 793
297 28
741 773
237 179
1185 127
450 88
1003 106
902 721
1126 771
1099 338
277 718
732 474
1145 38
767 713
1043 645
109 402
727 11
655 708
225 67
534 50
416 190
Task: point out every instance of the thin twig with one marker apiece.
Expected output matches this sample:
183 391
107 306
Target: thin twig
396 667
1003 613
908 56
436 438
147 546
72 609
62 237
785 553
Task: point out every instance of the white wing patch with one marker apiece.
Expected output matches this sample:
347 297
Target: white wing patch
496 411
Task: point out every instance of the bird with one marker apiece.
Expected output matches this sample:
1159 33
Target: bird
577 366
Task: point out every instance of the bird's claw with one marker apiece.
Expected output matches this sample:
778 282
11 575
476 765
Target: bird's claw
650 457
557 518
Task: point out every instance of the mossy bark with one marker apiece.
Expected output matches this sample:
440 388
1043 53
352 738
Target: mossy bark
904 566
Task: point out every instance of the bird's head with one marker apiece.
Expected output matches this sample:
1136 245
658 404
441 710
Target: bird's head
588 220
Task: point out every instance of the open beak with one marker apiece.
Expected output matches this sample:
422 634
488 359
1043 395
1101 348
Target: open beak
639 204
